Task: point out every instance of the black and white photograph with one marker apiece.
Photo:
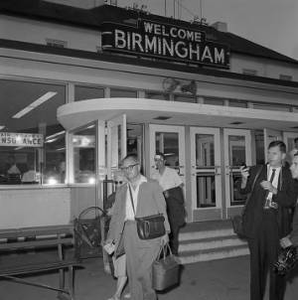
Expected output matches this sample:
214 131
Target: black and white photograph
149 149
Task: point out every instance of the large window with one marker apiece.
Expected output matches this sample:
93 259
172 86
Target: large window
115 93
32 144
158 96
83 141
87 92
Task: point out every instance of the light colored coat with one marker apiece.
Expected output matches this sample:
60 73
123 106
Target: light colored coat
150 202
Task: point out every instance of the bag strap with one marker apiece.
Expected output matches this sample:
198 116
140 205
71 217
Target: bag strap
132 203
163 250
252 187
131 199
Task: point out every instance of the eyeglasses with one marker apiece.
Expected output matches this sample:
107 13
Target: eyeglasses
158 159
128 168
118 182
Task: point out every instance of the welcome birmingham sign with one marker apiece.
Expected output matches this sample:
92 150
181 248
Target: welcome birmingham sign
164 41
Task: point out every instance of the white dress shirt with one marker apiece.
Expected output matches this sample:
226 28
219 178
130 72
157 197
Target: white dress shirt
275 179
130 213
168 179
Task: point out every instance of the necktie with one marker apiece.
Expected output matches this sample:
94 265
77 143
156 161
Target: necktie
272 175
268 200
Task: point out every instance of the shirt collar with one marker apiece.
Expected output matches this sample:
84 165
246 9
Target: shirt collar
141 180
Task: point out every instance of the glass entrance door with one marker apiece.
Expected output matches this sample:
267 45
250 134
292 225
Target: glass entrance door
270 135
237 146
289 138
170 141
116 143
206 188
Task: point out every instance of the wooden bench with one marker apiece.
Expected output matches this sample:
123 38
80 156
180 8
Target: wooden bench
28 251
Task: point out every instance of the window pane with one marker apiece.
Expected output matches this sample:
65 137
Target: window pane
168 143
259 142
271 106
213 101
86 93
32 141
158 96
115 93
237 103
191 99
84 155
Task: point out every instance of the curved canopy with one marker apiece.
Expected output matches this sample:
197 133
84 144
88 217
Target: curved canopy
138 110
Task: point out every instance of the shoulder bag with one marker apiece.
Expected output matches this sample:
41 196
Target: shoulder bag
149 227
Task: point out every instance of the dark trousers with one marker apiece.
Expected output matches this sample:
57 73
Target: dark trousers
264 248
173 237
176 216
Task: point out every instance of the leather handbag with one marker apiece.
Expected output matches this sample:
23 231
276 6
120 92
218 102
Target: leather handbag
151 227
165 270
238 221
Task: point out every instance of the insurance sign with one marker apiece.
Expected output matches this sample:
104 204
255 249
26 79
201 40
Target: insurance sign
17 139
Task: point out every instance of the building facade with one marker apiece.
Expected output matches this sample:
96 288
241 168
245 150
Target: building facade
80 88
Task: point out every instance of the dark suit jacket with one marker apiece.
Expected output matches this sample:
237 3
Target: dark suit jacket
150 202
285 198
294 233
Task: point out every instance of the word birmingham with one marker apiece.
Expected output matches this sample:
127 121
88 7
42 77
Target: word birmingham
170 42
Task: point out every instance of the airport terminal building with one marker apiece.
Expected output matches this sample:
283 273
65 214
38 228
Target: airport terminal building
81 88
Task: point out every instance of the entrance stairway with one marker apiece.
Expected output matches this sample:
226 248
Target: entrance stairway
209 240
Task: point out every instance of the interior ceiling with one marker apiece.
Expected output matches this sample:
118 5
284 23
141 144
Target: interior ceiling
16 95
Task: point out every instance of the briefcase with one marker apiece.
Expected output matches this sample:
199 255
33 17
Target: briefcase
165 270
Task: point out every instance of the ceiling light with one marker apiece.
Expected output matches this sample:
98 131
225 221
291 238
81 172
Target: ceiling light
34 104
55 135
50 141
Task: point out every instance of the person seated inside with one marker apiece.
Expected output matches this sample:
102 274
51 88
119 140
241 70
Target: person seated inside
11 166
13 172
30 176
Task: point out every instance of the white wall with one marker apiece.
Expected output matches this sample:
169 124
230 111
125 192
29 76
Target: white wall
37 32
34 207
264 67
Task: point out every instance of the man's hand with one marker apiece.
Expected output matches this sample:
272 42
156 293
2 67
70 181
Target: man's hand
285 242
164 239
244 175
267 185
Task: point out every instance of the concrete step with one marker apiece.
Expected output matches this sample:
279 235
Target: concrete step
212 254
209 241
188 236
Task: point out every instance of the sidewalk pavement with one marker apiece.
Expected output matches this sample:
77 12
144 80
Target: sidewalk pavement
225 279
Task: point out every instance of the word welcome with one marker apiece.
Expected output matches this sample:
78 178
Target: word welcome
164 41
